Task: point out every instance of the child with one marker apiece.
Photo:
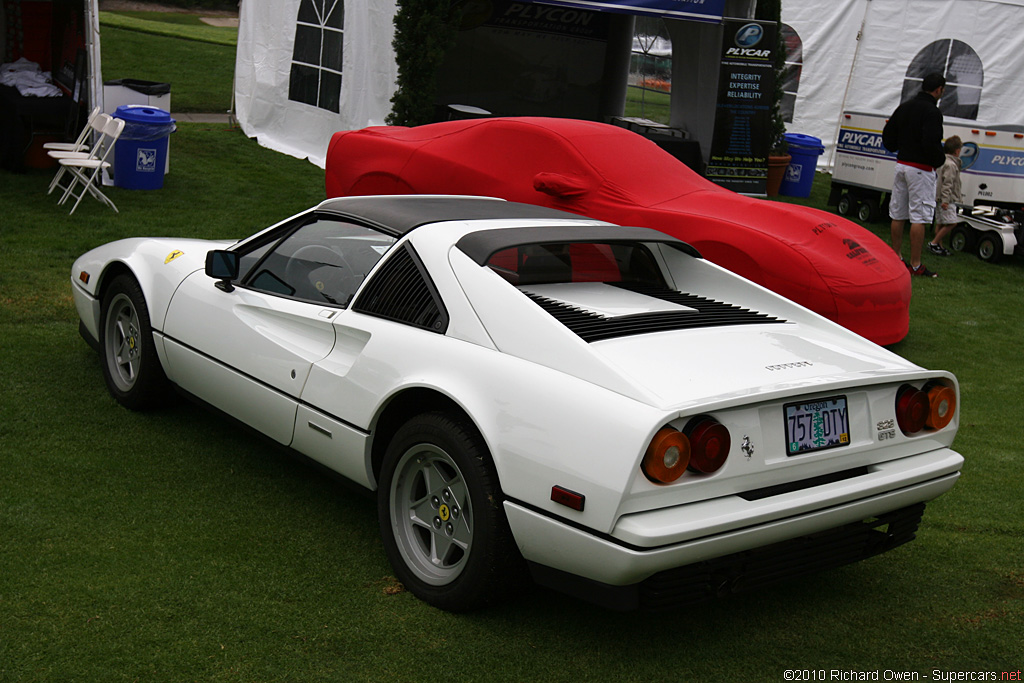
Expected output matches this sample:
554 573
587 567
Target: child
947 194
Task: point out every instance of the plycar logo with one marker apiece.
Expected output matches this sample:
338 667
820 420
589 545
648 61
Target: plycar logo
968 155
749 35
853 138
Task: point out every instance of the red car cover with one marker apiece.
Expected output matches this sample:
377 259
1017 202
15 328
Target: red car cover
822 261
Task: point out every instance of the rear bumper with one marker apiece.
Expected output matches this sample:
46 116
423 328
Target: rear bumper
747 570
609 560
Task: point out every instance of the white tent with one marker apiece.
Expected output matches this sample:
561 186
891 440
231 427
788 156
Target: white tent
862 55
291 90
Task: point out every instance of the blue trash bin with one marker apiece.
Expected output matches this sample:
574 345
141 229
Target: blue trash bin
805 150
140 154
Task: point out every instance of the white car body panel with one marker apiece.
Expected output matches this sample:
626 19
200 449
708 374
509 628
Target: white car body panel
552 408
270 338
248 401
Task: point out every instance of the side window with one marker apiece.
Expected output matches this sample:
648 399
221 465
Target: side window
323 261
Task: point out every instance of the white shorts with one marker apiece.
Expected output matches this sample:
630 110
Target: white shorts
913 195
946 216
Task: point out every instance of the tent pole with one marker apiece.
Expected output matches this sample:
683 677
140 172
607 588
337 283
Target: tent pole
846 91
94 69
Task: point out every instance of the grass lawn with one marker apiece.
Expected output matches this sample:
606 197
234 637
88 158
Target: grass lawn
174 546
648 104
200 68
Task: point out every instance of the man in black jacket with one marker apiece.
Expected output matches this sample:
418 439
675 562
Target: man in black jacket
914 132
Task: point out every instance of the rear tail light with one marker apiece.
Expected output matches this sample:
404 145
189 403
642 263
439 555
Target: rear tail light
709 444
932 407
667 456
702 447
941 406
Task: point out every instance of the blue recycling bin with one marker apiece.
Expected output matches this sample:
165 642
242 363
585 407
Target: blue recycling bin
140 154
805 150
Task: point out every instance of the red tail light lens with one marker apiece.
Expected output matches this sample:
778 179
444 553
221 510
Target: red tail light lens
667 456
709 444
911 409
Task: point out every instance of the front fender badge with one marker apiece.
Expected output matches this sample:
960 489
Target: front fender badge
173 255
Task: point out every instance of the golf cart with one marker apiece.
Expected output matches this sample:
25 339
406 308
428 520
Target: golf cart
990 231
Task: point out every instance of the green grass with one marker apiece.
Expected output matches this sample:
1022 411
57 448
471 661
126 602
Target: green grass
201 74
648 104
170 24
174 546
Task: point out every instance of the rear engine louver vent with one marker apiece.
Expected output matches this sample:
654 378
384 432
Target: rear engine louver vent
592 327
402 291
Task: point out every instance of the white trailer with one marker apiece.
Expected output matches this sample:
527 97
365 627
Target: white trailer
992 172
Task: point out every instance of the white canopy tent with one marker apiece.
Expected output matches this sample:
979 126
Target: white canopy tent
862 55
292 100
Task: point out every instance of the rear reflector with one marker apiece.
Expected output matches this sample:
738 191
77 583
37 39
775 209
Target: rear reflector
568 498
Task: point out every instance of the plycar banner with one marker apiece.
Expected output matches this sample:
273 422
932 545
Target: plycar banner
694 10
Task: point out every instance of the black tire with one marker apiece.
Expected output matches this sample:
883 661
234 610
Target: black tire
845 204
962 238
867 212
441 515
131 367
990 247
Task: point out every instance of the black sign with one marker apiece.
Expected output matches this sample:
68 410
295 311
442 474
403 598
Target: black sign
746 81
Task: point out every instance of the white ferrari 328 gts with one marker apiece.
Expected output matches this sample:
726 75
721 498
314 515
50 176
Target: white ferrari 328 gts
531 392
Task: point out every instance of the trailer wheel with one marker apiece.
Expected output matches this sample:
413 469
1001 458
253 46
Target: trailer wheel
867 212
845 204
990 247
962 238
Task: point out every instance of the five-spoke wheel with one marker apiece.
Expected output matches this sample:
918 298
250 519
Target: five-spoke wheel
441 515
130 364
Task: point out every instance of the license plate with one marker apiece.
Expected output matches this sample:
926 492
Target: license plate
817 425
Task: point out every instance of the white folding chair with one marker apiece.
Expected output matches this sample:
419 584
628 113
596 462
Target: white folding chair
93 129
86 171
79 145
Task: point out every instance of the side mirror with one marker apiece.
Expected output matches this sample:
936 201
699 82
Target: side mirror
222 265
560 186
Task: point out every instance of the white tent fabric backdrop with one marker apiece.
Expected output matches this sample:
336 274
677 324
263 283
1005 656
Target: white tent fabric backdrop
838 75
264 64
